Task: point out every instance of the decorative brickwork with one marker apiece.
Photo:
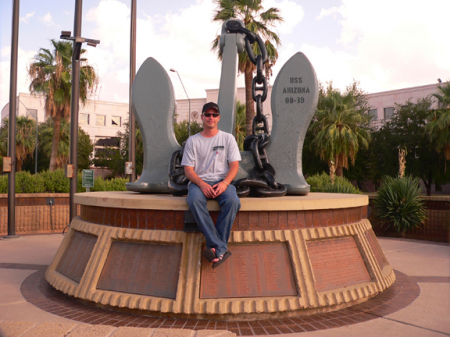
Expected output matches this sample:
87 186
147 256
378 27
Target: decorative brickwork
245 220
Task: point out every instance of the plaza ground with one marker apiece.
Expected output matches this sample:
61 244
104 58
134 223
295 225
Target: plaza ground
426 264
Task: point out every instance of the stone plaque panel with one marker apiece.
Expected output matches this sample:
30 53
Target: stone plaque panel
253 270
337 263
142 268
77 255
376 249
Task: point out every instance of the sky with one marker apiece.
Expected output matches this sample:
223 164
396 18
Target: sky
384 44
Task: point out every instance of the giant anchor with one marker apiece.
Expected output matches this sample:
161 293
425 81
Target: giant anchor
293 102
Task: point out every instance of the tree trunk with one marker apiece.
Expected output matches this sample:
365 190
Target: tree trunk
19 164
55 142
249 103
340 171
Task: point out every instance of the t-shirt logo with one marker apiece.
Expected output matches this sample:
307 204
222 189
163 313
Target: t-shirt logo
218 148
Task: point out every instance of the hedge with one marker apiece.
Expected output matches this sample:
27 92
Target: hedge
56 182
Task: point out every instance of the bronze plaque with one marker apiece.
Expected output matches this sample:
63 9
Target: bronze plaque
337 263
253 270
77 255
376 248
142 268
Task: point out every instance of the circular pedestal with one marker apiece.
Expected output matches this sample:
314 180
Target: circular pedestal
292 255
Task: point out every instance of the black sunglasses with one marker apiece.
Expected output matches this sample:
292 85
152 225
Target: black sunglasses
207 114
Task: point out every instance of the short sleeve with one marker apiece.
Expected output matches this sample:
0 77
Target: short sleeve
233 154
188 154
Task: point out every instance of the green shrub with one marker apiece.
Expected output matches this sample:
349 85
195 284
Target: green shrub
322 183
56 181
27 183
398 203
4 183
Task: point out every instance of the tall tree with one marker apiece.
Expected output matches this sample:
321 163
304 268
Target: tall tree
438 127
50 73
255 19
85 146
25 139
407 127
340 127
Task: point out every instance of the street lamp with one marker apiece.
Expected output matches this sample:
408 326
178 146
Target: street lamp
189 125
77 42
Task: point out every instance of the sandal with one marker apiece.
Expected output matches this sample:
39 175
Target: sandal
222 259
210 254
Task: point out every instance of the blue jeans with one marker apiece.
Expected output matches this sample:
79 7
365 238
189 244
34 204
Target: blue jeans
229 203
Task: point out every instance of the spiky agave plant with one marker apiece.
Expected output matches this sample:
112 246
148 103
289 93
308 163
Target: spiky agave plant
398 203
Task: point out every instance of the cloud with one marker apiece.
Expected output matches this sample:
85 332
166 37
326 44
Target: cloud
23 81
47 20
327 12
27 17
388 49
291 12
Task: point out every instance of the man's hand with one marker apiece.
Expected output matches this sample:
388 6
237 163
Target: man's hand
208 190
219 188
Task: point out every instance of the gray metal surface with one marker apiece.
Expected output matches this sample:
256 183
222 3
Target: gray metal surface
153 106
294 100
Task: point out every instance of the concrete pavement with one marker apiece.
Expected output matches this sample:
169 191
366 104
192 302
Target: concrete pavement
427 263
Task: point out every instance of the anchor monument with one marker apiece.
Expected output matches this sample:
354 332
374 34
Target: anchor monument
293 255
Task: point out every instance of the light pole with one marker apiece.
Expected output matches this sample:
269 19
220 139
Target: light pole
131 119
77 42
189 125
12 123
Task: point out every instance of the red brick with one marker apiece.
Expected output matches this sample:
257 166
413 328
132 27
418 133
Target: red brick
159 219
169 220
243 221
214 216
179 220
133 218
354 214
340 216
292 219
308 219
126 218
282 220
273 220
141 215
364 212
263 220
253 221
150 219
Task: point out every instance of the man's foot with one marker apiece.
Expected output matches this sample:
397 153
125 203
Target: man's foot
210 254
221 259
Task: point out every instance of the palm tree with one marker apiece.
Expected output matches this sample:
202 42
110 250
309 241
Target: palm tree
255 19
85 146
337 129
240 129
438 128
25 139
50 74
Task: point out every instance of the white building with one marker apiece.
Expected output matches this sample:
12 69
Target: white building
102 120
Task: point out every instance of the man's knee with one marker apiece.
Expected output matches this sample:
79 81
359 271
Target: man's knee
233 203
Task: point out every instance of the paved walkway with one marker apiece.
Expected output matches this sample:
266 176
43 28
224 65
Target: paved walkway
428 264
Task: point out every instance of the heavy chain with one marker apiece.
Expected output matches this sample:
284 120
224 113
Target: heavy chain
178 182
262 182
262 178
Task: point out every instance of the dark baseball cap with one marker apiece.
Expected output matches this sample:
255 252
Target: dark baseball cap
210 105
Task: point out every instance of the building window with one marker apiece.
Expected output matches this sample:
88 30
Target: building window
83 119
100 120
32 113
388 112
116 121
373 113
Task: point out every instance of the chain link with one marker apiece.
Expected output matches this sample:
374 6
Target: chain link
262 182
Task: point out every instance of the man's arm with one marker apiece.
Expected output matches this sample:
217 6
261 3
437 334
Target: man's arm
195 179
219 188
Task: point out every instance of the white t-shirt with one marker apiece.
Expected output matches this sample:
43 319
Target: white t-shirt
210 156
